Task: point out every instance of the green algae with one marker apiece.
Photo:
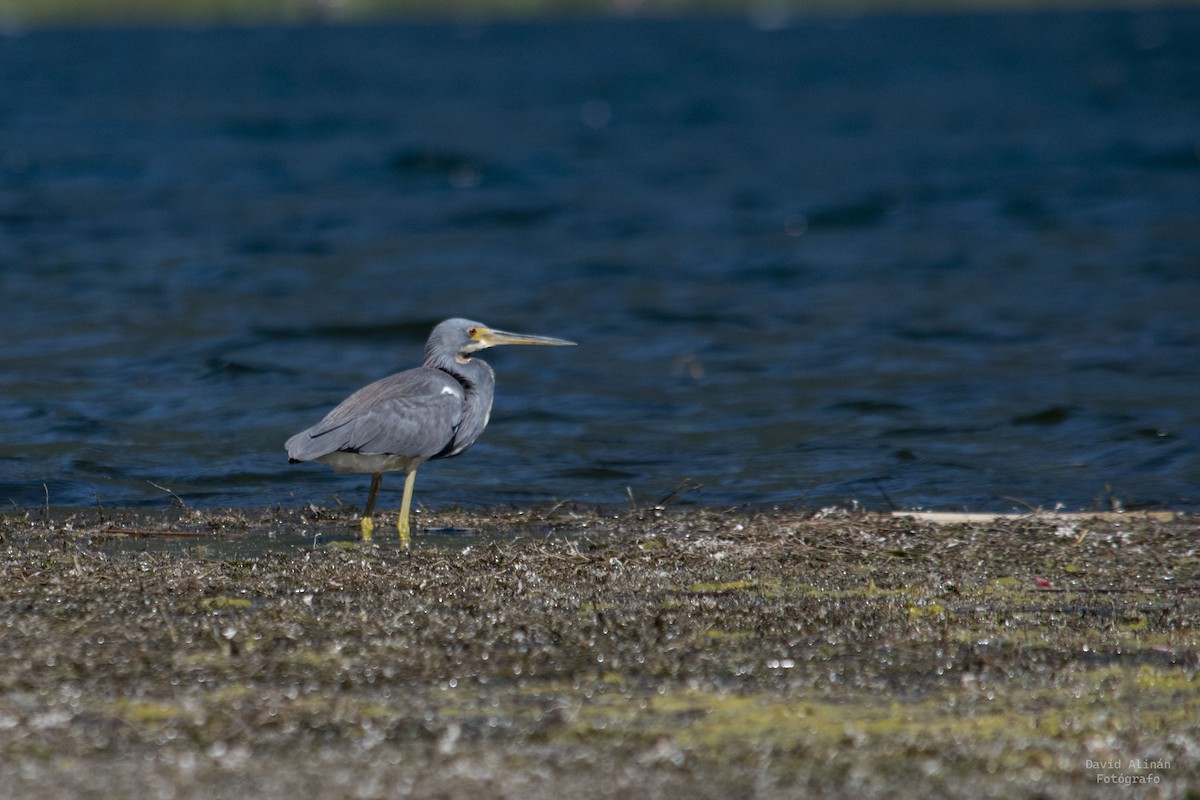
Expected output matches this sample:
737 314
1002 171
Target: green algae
214 603
703 587
147 713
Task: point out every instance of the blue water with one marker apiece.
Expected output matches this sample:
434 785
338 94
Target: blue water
911 261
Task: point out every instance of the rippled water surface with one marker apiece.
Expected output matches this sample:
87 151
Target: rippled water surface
914 261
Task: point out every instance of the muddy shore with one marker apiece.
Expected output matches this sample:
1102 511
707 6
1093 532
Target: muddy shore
576 652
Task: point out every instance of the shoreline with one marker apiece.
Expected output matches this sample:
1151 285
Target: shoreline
17 15
569 651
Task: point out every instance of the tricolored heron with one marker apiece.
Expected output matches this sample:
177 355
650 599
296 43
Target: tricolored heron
398 423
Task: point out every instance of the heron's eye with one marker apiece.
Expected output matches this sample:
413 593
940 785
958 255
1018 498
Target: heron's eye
472 332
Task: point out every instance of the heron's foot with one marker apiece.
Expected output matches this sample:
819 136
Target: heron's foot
368 527
402 529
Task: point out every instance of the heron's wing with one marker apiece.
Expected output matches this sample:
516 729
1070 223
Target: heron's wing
412 414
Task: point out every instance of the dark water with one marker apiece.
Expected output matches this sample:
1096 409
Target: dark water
928 261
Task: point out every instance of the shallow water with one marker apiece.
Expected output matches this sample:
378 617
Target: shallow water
939 261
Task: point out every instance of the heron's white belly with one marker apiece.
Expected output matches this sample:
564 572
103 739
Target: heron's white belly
363 462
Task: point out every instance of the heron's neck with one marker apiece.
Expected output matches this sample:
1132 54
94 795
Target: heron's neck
478 381
474 374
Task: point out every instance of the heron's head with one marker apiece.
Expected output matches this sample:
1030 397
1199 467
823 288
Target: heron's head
459 338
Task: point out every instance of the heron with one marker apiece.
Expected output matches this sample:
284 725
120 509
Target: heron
398 423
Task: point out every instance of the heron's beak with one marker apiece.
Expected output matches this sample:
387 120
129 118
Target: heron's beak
486 337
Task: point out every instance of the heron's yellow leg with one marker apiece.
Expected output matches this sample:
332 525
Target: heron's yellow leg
368 525
405 506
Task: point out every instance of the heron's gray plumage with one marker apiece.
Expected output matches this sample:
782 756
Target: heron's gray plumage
417 414
437 410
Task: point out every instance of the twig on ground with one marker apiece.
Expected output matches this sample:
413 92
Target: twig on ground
178 499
